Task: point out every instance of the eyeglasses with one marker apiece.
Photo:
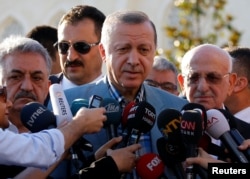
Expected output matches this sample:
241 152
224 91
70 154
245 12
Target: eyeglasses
81 47
3 94
167 86
211 78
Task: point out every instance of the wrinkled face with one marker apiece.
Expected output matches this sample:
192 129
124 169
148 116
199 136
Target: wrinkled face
165 79
129 56
4 106
27 79
78 67
207 80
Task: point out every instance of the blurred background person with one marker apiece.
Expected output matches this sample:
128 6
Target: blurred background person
47 36
163 75
239 101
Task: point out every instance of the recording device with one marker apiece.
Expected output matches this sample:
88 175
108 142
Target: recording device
95 101
114 114
59 104
191 131
36 117
172 156
77 104
218 128
141 119
150 166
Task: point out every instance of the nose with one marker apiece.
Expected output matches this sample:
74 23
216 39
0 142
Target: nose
133 58
202 84
27 84
72 54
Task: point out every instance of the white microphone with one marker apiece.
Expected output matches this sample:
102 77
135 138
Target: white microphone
59 104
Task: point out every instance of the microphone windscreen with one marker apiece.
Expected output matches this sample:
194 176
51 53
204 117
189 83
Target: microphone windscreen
113 111
77 104
36 117
191 126
217 124
141 117
125 113
197 107
168 122
149 166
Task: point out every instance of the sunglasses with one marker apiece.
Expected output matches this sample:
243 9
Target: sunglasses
81 47
211 78
3 94
167 86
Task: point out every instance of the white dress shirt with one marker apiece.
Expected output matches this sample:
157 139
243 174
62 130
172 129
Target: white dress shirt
244 114
37 149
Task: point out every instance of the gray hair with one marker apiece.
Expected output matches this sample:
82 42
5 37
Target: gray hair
162 64
127 17
16 43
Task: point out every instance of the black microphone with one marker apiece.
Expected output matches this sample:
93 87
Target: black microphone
141 119
197 107
114 115
170 147
172 156
191 131
36 117
218 128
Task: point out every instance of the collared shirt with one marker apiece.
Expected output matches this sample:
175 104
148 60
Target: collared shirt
145 139
26 149
66 83
244 114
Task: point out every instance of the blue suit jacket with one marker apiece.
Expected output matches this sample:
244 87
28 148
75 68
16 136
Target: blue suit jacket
156 97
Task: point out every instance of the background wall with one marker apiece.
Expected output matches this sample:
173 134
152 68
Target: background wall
18 17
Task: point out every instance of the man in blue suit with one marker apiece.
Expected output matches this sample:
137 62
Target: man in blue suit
128 46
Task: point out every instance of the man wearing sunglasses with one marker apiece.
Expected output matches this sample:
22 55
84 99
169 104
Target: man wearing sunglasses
163 75
79 33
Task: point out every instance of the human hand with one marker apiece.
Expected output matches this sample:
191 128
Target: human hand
90 120
101 152
202 159
125 158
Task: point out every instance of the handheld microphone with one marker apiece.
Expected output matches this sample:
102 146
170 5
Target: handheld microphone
77 104
149 166
125 114
218 128
197 107
191 132
168 122
113 113
59 104
36 117
172 156
141 119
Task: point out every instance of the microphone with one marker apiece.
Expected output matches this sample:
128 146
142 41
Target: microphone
125 113
77 104
36 117
150 166
113 113
172 155
218 128
197 107
141 119
191 128
59 104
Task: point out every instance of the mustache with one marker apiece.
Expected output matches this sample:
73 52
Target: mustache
73 63
25 94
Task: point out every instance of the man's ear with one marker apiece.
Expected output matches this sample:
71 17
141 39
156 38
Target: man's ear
240 84
102 52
